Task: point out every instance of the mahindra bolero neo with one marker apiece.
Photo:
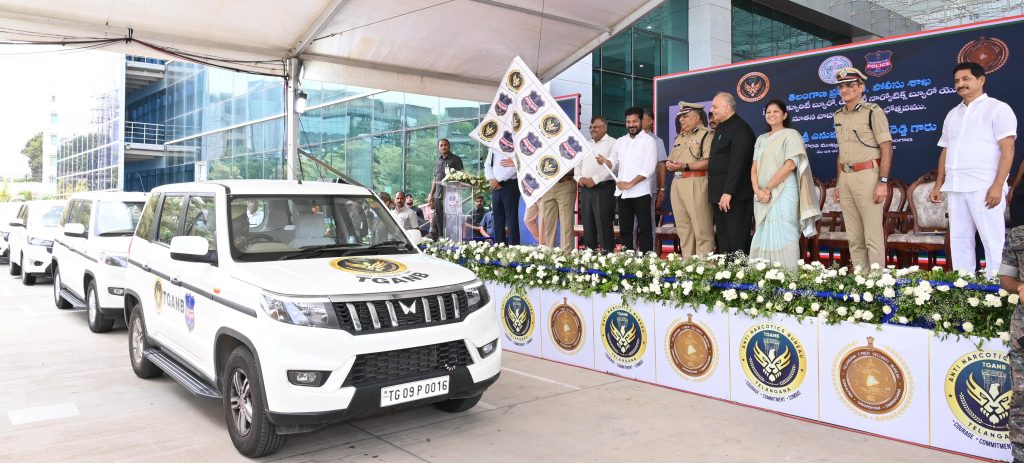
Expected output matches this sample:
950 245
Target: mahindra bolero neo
299 305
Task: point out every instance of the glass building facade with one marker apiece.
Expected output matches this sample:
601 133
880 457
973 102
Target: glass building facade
759 32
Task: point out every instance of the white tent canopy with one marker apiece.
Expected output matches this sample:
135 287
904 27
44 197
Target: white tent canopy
452 48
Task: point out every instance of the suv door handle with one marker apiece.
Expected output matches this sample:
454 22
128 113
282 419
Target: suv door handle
145 267
175 281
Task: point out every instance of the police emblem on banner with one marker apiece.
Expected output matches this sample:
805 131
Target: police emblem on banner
530 144
773 360
551 125
517 121
518 316
190 311
692 350
528 185
368 265
872 380
624 336
978 391
753 86
827 69
570 148
501 106
515 80
567 329
990 53
878 63
533 102
506 144
548 167
489 130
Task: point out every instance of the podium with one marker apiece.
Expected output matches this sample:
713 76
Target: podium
458 211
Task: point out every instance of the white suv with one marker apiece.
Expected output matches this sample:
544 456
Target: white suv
299 305
31 238
90 255
8 211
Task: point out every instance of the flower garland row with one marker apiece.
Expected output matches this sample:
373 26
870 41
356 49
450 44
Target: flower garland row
947 302
478 182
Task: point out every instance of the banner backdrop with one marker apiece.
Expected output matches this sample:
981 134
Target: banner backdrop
568 322
875 378
692 349
624 338
910 77
775 363
970 391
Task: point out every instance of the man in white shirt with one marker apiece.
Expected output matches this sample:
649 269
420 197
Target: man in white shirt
500 171
657 180
977 143
406 216
597 190
634 159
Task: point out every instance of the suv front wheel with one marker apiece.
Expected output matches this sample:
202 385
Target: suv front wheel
58 300
252 433
137 344
97 322
26 279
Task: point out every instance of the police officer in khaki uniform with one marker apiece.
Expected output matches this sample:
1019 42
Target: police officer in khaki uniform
688 162
865 156
1010 279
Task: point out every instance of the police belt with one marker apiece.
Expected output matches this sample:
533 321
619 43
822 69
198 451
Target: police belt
692 173
511 181
849 168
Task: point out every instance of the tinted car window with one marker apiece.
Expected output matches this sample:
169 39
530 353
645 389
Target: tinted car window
145 228
170 219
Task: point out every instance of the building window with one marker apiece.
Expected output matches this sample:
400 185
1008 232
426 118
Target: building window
759 31
53 118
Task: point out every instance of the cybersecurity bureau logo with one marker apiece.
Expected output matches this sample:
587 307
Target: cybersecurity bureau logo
827 69
488 130
773 360
548 167
624 336
872 380
878 63
753 86
515 80
566 327
991 53
518 316
551 125
692 350
978 391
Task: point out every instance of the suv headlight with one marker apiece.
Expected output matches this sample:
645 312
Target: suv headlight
299 311
476 295
40 242
115 260
4 235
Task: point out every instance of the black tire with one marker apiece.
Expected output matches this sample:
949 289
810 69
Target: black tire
251 431
459 405
58 300
137 344
26 279
97 322
15 269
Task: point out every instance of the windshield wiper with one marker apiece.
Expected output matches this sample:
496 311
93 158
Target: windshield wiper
399 244
316 251
117 233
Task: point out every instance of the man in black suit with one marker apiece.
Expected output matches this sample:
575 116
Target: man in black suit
729 190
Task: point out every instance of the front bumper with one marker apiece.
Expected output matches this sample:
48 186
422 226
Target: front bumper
36 260
110 280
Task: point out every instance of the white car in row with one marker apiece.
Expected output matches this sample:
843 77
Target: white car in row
91 253
31 238
8 211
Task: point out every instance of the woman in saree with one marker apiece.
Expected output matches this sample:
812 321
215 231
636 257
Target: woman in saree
784 204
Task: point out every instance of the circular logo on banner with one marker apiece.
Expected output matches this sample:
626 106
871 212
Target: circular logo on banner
158 296
566 327
515 80
978 391
488 130
517 121
990 53
691 349
551 125
517 315
368 265
871 380
624 336
753 86
773 359
827 69
548 166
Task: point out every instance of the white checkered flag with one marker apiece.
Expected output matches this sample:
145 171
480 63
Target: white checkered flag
525 124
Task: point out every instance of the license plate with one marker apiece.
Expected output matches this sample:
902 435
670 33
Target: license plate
408 392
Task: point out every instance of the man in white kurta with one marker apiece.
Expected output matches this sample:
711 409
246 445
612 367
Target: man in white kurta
977 143
634 159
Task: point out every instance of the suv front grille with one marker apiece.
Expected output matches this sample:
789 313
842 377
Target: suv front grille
397 314
396 365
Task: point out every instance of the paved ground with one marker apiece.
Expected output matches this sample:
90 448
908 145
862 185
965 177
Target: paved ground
70 395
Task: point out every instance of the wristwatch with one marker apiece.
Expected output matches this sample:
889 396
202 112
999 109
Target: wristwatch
686 167
883 179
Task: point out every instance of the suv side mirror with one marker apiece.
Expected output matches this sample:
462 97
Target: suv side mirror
74 229
192 249
17 223
414 235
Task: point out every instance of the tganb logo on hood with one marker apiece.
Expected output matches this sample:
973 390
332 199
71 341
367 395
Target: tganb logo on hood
377 270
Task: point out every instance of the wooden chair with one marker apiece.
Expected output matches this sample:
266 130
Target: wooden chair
929 231
665 230
831 231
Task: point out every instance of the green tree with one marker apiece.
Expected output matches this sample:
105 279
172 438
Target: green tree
33 150
25 195
5 193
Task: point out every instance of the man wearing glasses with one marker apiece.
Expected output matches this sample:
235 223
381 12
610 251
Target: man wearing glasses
688 163
865 156
597 190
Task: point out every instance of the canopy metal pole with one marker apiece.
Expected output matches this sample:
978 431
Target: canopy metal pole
291 120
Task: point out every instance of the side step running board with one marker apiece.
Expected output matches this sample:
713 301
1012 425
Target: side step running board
72 298
193 383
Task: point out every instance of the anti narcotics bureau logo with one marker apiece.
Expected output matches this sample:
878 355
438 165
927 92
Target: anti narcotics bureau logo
872 380
624 336
753 86
489 130
693 352
515 80
978 391
551 125
773 360
518 316
548 167
566 327
368 265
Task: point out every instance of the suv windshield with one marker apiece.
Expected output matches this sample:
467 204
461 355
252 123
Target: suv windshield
302 227
115 218
45 216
